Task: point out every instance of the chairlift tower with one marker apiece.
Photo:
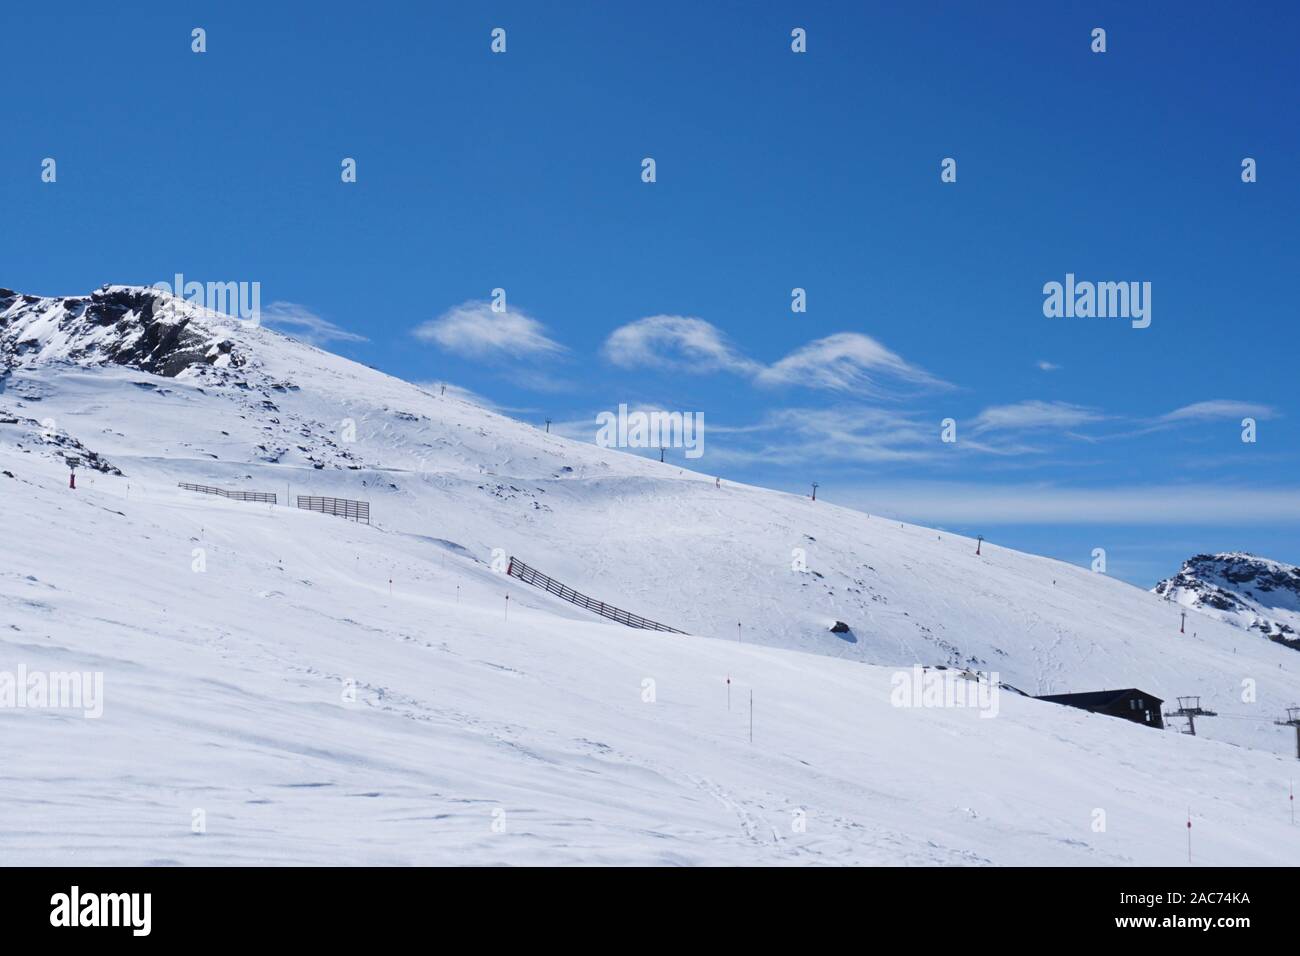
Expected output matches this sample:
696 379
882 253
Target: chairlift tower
1190 707
1292 720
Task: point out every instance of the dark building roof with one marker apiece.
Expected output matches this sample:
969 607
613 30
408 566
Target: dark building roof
1098 698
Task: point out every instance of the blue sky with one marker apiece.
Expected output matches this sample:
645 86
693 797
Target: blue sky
775 170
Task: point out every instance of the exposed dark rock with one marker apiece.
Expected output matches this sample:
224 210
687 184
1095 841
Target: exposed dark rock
147 330
1254 593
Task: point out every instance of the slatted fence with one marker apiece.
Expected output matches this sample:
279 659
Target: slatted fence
261 496
343 507
530 575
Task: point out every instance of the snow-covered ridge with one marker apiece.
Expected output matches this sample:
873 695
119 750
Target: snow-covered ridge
1251 592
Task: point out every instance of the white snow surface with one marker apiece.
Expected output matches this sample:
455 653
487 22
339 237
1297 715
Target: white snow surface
481 735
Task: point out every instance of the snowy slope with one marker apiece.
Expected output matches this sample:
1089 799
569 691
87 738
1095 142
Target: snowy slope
272 414
1253 593
224 692
224 687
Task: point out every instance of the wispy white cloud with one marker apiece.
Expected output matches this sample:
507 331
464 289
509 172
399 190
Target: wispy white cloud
1035 414
1218 409
675 341
796 436
299 322
1046 366
837 435
846 434
474 330
846 361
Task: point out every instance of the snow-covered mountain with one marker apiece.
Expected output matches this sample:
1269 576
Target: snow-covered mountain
1251 592
231 634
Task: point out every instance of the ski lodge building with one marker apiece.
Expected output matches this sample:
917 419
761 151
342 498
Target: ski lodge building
1129 703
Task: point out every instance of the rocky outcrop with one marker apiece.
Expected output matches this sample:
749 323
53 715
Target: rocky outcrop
1254 593
139 327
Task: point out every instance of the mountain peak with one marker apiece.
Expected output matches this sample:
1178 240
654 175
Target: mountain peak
1254 593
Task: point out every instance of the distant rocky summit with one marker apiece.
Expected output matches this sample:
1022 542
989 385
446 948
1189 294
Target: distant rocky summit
1254 593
